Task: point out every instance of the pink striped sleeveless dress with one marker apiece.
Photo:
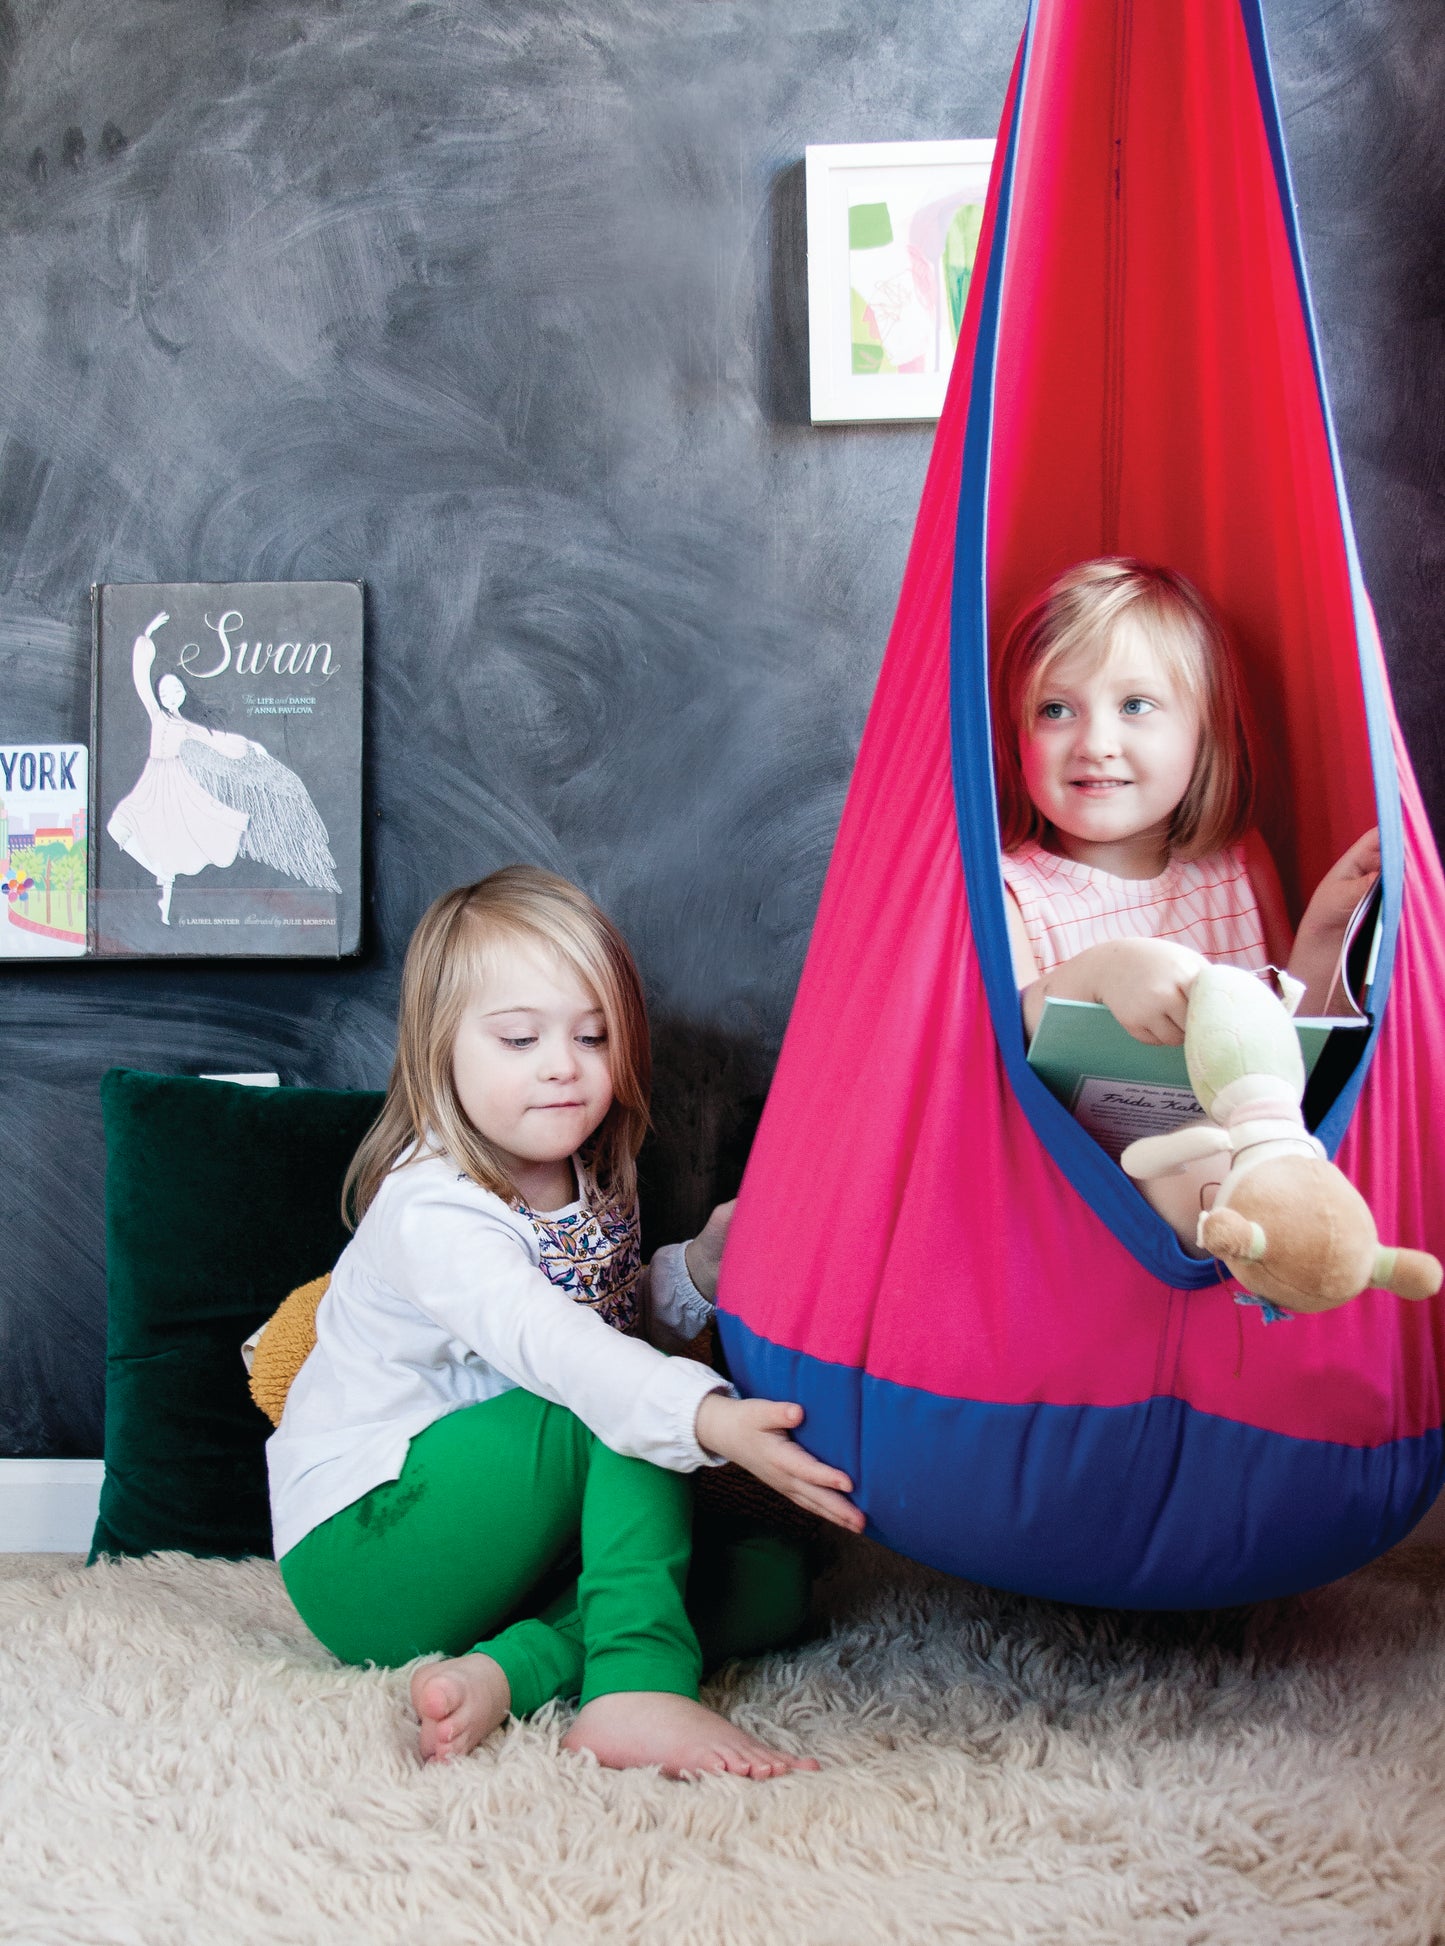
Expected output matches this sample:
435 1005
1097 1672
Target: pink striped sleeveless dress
1208 904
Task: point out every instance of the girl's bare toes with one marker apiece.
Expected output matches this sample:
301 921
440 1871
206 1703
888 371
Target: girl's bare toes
631 1729
751 1758
437 1700
458 1705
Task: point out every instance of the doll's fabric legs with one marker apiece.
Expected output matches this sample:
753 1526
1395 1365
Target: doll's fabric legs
489 1500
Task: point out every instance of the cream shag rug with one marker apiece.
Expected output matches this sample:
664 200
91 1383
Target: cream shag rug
183 1766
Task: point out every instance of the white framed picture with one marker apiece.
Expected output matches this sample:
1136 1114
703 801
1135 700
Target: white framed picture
892 232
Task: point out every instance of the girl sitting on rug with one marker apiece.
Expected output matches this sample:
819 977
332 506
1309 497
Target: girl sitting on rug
1125 792
476 1407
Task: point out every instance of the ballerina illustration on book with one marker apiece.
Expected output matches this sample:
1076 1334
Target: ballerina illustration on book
207 797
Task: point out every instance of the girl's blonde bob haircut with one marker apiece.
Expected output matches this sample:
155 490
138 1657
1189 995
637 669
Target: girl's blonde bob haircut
1080 613
448 958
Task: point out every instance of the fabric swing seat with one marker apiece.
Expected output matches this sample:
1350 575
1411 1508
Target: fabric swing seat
1030 1382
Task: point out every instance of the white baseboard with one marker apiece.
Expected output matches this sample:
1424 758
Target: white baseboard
48 1506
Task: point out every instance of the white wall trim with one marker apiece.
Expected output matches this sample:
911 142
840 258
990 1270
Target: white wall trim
48 1506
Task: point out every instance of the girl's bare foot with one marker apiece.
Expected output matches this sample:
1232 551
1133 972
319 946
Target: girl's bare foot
631 1728
459 1703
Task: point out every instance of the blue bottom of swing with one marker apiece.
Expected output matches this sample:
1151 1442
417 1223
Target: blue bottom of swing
1130 1506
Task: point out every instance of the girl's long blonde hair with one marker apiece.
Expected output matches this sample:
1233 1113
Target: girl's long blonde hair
1082 610
445 962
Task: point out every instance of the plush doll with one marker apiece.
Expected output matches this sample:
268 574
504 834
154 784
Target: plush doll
1285 1222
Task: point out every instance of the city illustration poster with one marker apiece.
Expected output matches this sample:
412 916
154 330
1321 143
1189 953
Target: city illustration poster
43 846
227 758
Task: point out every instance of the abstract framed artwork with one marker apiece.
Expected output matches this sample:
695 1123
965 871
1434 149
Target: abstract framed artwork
892 231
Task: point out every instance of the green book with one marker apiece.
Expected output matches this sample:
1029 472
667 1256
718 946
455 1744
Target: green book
1120 1089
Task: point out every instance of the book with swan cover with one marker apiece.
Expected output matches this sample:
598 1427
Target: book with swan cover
226 774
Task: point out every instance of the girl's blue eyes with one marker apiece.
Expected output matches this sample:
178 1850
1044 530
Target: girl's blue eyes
1131 706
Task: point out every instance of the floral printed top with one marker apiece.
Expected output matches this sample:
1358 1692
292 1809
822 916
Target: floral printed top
593 1252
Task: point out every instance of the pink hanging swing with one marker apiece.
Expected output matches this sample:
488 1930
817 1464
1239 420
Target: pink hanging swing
1030 1381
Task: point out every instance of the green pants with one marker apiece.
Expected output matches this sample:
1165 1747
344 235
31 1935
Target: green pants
475 1547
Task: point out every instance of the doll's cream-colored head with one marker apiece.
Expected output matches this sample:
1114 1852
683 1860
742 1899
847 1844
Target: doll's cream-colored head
1081 615
446 962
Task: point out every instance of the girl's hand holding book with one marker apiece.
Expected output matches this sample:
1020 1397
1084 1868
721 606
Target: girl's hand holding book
1145 985
1320 941
1340 891
757 1435
1143 982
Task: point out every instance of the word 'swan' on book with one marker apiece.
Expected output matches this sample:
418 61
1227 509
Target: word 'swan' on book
226 780
44 807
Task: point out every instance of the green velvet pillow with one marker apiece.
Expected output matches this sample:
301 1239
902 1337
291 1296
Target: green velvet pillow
219 1199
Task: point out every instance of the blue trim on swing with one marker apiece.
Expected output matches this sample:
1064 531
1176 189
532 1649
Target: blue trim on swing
1148 1505
1098 1180
1377 715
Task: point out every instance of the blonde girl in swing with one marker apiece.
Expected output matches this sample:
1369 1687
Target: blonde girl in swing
1126 788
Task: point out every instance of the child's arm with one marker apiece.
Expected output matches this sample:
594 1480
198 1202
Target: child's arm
456 1253
1320 940
704 1254
755 1433
461 1257
1143 982
680 1283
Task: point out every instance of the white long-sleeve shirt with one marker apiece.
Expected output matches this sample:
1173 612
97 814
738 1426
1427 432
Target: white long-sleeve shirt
438 1302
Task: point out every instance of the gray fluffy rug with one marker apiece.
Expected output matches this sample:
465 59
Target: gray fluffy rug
183 1766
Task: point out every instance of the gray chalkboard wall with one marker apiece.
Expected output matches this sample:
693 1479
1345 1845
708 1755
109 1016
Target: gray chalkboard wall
498 306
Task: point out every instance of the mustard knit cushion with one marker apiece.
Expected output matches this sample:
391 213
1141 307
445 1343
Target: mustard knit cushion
282 1348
